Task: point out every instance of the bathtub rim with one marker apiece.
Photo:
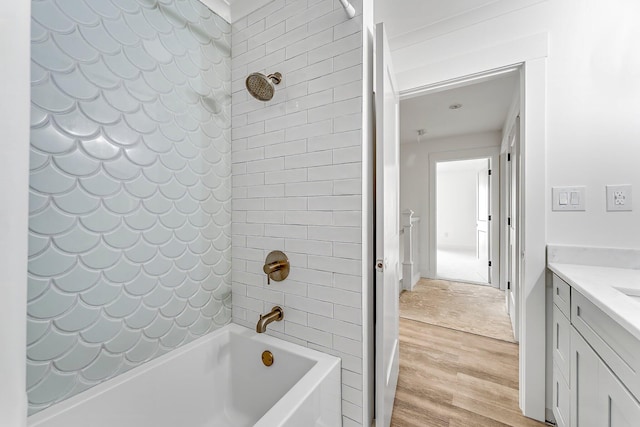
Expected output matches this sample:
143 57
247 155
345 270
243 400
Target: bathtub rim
281 410
285 407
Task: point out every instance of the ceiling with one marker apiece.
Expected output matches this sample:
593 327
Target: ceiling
484 108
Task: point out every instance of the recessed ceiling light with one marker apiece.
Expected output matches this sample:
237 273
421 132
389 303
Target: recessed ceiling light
455 106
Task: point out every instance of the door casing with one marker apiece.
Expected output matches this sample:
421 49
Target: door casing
529 55
512 227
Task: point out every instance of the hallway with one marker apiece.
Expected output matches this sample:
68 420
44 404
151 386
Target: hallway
449 377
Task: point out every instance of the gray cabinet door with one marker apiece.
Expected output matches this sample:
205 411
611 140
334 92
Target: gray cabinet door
621 409
561 399
598 398
562 343
586 404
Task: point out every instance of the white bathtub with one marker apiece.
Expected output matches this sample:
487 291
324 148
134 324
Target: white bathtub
218 380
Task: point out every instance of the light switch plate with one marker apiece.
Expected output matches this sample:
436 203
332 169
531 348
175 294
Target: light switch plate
568 198
619 198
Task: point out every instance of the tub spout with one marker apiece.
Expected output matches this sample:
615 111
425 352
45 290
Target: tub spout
276 314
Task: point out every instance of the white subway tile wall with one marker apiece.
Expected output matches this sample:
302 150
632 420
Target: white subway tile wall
297 179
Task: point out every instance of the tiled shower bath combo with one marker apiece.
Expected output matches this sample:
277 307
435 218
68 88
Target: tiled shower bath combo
134 165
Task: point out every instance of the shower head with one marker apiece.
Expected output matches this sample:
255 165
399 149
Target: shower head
262 87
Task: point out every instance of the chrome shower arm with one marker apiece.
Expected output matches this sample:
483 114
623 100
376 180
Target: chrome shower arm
351 12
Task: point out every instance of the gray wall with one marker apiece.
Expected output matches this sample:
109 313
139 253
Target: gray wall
130 189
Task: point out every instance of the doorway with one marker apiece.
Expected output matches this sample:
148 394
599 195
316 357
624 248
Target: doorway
531 298
461 169
471 177
463 226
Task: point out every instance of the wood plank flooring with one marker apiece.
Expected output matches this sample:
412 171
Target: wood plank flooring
452 378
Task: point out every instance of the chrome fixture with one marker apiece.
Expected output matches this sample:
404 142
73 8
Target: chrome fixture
276 266
263 87
275 315
351 12
267 358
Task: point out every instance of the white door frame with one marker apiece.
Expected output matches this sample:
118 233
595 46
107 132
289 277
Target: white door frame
531 54
492 153
511 148
533 201
15 44
485 216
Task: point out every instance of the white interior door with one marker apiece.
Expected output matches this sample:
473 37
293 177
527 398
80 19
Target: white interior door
513 262
387 232
483 237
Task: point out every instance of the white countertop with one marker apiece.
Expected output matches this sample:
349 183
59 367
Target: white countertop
599 285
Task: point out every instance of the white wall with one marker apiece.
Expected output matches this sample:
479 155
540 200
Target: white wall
414 178
297 180
14 181
456 209
586 51
593 89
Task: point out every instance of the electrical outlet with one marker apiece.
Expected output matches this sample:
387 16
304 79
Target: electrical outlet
619 198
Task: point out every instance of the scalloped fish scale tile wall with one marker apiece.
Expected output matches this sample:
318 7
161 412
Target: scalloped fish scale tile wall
130 208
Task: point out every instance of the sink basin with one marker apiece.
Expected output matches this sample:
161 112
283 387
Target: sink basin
634 294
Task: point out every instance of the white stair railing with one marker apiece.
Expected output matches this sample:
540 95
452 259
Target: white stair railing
410 253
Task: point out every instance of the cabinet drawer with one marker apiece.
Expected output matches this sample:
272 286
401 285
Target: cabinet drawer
562 343
615 345
562 295
561 399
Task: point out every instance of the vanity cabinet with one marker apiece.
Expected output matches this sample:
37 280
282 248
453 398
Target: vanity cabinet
594 365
